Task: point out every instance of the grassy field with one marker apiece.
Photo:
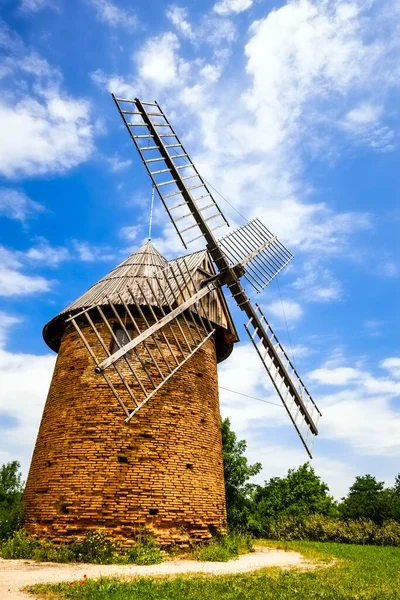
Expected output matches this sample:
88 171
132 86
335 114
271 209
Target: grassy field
344 572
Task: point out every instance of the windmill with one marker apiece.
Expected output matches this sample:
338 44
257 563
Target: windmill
150 333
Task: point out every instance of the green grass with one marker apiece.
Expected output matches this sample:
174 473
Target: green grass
344 572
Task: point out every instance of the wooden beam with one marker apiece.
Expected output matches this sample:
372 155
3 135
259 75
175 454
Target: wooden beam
157 326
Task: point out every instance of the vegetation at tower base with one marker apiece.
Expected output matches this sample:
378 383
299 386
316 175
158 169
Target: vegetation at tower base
295 507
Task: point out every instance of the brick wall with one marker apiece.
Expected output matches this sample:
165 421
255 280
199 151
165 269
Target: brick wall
163 471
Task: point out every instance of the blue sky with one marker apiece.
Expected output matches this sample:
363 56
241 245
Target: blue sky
290 109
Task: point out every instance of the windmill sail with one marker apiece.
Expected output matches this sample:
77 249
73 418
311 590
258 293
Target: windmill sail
299 405
261 253
154 332
171 170
250 251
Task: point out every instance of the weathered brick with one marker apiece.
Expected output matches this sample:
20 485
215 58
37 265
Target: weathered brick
172 483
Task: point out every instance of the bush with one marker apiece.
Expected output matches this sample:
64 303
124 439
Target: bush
388 534
320 528
224 547
145 552
95 547
20 545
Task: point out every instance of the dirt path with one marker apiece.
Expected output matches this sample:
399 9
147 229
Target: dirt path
16 574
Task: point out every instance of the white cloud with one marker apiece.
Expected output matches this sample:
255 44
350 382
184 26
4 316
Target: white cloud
373 327
45 254
179 18
15 283
362 413
114 84
336 376
207 29
339 376
44 130
6 322
42 137
158 62
392 365
364 124
15 204
113 15
389 269
130 232
317 284
364 114
87 252
33 6
225 7
288 309
116 164
369 425
25 380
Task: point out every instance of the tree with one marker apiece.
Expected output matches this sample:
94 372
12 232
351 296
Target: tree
237 473
367 499
299 494
11 487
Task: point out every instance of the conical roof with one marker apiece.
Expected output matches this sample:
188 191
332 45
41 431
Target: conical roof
131 277
145 263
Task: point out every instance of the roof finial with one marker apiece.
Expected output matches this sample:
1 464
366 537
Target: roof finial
151 213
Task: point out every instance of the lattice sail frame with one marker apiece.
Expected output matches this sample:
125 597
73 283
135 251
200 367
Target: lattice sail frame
261 253
304 414
251 246
160 159
166 324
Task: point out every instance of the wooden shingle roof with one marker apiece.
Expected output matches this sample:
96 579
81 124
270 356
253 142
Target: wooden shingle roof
132 277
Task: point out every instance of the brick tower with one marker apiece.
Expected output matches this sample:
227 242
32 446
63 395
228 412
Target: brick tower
161 471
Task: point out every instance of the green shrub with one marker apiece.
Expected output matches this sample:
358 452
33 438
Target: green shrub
145 552
320 528
224 547
287 528
96 547
388 534
20 545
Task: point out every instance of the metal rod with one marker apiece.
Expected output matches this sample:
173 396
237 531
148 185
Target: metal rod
189 292
169 376
161 330
177 320
108 381
114 337
142 336
129 338
161 308
183 314
105 348
128 312
157 326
